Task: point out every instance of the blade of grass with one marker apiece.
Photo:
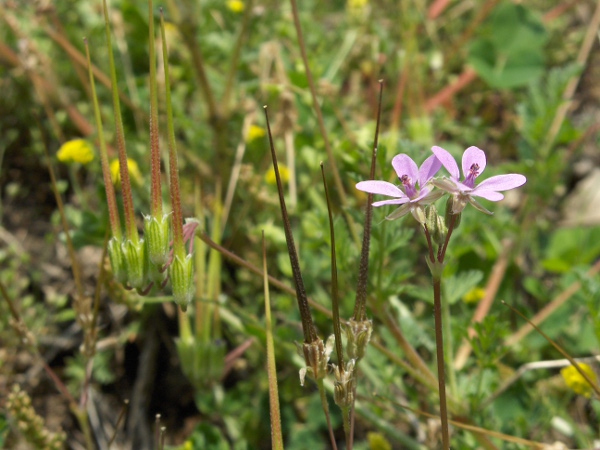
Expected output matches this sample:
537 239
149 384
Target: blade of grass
276 435
559 349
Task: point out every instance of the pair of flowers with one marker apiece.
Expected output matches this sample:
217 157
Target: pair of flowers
415 189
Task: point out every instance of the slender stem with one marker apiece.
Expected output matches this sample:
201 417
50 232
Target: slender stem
308 327
360 304
155 185
325 405
439 343
130 227
443 248
313 91
448 352
235 56
276 434
335 307
178 246
111 199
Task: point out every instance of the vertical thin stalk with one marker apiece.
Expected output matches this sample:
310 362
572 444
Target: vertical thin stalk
130 227
439 343
448 352
111 199
276 436
308 328
178 245
156 208
360 304
313 91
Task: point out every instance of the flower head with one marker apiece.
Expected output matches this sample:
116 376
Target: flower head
473 165
134 172
236 6
284 173
255 132
576 382
412 191
75 151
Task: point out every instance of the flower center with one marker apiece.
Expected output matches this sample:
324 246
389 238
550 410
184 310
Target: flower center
409 188
473 173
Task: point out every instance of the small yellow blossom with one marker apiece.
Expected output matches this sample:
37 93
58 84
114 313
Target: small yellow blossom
255 132
357 4
134 172
474 295
575 380
284 172
236 6
76 151
377 441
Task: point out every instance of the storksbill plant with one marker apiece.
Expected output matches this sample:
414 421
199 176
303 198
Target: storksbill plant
145 262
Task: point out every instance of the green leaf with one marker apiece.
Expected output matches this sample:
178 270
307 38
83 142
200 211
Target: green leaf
509 51
457 286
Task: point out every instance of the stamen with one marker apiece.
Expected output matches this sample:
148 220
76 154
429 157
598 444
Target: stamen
409 187
473 173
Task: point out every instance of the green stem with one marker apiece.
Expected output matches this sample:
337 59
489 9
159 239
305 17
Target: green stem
111 199
439 343
155 185
313 91
177 220
325 406
448 350
130 226
276 434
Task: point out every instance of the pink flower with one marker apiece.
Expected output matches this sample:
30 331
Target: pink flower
413 190
473 165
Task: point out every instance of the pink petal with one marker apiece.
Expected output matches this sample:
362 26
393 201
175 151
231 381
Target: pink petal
380 187
398 201
404 165
428 169
473 155
447 161
488 195
502 182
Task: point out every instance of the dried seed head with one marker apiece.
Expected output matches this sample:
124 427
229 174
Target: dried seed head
343 386
316 355
358 334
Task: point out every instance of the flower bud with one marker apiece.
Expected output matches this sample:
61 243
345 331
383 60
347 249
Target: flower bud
135 263
117 260
436 225
156 234
453 204
182 280
358 334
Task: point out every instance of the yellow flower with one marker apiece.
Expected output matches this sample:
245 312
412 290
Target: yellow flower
474 295
236 6
377 441
134 172
255 132
75 151
357 4
284 172
575 380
